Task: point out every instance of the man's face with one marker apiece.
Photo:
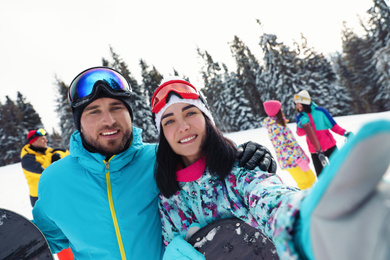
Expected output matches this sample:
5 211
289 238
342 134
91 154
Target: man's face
41 142
106 125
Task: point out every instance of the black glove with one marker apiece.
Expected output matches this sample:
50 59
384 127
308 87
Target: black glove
55 157
251 154
323 159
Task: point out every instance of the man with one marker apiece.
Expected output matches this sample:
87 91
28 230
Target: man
102 199
35 157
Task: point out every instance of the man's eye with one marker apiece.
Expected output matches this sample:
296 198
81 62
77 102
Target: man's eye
94 112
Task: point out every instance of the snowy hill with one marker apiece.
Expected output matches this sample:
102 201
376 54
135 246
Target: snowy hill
14 193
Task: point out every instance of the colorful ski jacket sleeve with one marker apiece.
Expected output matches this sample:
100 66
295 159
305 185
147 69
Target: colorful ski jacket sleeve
258 198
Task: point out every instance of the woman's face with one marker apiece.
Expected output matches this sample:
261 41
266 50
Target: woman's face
184 128
299 107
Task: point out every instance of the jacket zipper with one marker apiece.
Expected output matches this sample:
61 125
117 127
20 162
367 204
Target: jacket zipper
112 209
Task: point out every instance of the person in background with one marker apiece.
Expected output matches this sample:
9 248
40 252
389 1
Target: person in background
200 182
289 153
101 200
321 122
35 157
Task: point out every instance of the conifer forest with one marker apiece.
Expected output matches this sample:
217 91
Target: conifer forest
353 81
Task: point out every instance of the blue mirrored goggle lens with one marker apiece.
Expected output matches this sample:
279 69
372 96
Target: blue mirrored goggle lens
83 84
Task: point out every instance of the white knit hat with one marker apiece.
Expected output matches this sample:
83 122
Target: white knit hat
302 97
174 99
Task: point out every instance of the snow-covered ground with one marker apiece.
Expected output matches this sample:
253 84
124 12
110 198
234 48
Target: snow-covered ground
14 194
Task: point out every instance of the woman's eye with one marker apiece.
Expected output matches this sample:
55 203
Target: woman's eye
168 122
190 113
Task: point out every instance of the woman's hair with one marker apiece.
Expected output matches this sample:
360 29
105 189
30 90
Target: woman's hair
280 118
220 152
306 108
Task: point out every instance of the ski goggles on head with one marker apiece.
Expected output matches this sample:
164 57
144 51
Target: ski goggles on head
38 133
83 86
180 87
302 100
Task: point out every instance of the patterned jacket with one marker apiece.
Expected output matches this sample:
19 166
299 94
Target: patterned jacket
287 149
258 198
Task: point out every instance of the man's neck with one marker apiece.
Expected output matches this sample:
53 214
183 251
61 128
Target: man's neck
38 149
93 149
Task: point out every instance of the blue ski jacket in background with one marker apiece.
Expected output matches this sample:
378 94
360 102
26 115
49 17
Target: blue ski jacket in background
102 209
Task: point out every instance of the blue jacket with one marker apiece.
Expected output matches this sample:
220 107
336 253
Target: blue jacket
94 206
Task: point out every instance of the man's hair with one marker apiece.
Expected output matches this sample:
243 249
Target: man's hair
220 152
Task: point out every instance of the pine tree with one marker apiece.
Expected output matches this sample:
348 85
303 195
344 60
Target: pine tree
361 68
30 119
150 81
142 115
55 140
248 69
379 25
17 118
14 135
64 111
280 78
317 75
382 58
240 112
213 84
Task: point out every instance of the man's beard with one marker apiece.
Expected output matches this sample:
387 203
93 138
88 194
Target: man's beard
112 147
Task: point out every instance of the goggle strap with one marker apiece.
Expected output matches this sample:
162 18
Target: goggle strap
97 88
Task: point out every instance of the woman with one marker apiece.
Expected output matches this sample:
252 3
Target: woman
199 179
289 153
200 182
321 121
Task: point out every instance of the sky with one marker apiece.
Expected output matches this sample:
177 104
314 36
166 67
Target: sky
44 39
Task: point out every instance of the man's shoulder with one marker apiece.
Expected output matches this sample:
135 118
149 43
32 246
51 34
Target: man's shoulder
147 149
62 165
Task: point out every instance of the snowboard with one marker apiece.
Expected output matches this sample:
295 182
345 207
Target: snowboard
312 136
232 238
314 140
21 239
